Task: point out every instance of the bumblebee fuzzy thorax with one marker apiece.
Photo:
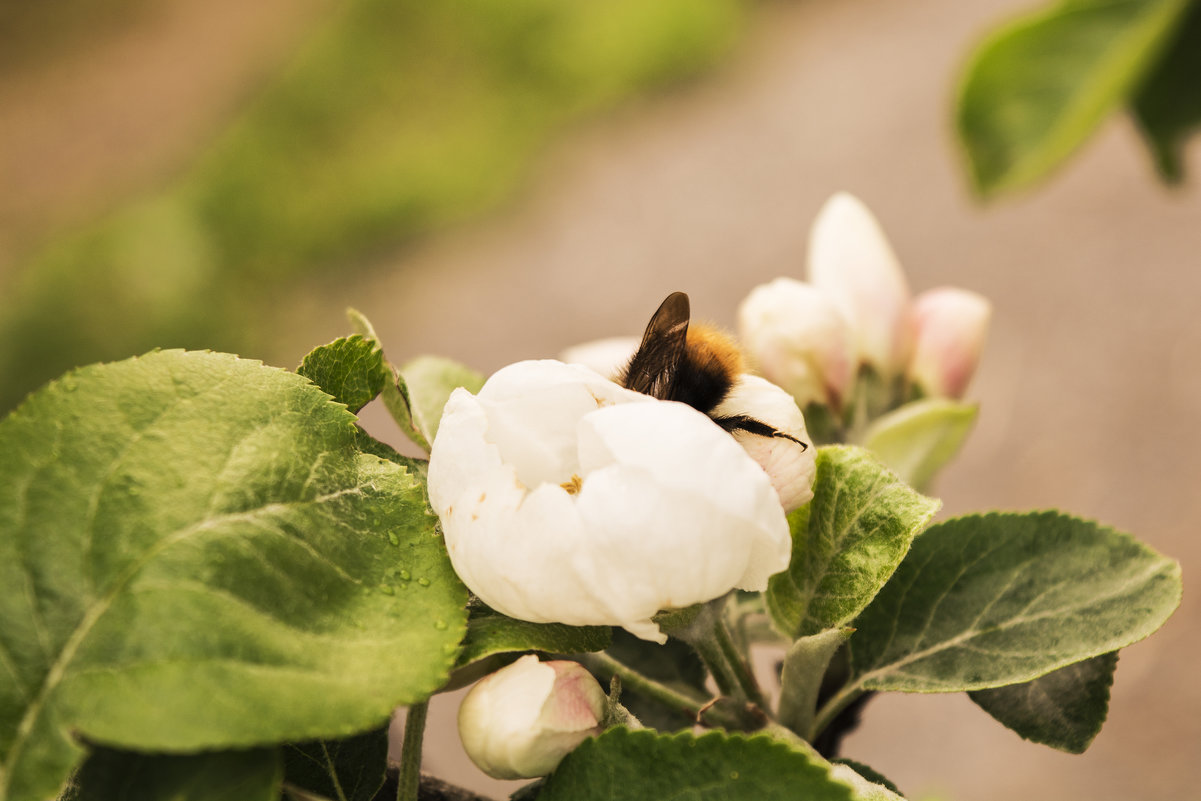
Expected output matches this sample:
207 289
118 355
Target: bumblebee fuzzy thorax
709 365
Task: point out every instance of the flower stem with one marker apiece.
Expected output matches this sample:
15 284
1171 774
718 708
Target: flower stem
410 754
709 636
829 711
631 679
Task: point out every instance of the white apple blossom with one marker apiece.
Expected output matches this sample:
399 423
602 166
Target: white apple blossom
519 722
566 498
791 464
798 338
850 258
951 326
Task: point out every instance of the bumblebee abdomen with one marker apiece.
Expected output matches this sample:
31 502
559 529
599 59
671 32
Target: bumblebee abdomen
709 365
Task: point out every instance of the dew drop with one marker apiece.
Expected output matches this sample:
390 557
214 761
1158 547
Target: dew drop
405 575
387 589
440 625
392 538
423 581
69 384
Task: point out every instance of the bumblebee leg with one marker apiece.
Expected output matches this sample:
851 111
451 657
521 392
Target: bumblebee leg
742 422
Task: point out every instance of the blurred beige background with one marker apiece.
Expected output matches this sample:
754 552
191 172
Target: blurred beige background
1089 388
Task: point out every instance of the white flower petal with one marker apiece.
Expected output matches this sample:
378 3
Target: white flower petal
850 258
790 465
799 339
646 505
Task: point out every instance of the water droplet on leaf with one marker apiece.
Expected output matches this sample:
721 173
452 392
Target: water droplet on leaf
423 581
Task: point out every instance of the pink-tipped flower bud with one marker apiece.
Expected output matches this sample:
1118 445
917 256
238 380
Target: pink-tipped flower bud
951 325
850 258
519 722
799 339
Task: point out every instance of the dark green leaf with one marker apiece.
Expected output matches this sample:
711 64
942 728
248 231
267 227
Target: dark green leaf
1063 709
351 369
1039 87
195 554
111 775
352 769
1168 104
622 765
490 633
985 601
846 542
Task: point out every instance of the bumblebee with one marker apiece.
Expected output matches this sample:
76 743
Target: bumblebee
692 364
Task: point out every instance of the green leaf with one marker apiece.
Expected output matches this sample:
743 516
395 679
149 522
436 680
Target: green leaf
195 555
622 765
352 769
112 775
985 601
489 633
917 440
1063 709
868 785
801 677
846 542
869 773
1037 89
1167 106
426 383
351 369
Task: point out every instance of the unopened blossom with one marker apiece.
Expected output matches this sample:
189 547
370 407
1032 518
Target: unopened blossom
799 339
567 498
951 325
852 261
519 722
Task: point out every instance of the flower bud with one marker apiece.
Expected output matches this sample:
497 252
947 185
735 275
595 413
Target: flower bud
519 722
799 340
789 461
951 325
850 258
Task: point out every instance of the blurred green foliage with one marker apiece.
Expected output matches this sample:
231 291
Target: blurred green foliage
1036 89
397 118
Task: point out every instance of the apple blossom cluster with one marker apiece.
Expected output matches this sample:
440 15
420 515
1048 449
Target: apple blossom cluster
856 313
567 498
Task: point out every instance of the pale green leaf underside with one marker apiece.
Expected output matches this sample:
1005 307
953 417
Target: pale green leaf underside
194 554
623 765
350 369
1036 89
920 438
111 775
985 601
429 380
1063 709
846 542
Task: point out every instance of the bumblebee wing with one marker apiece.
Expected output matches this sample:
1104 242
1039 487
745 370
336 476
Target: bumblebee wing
655 365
